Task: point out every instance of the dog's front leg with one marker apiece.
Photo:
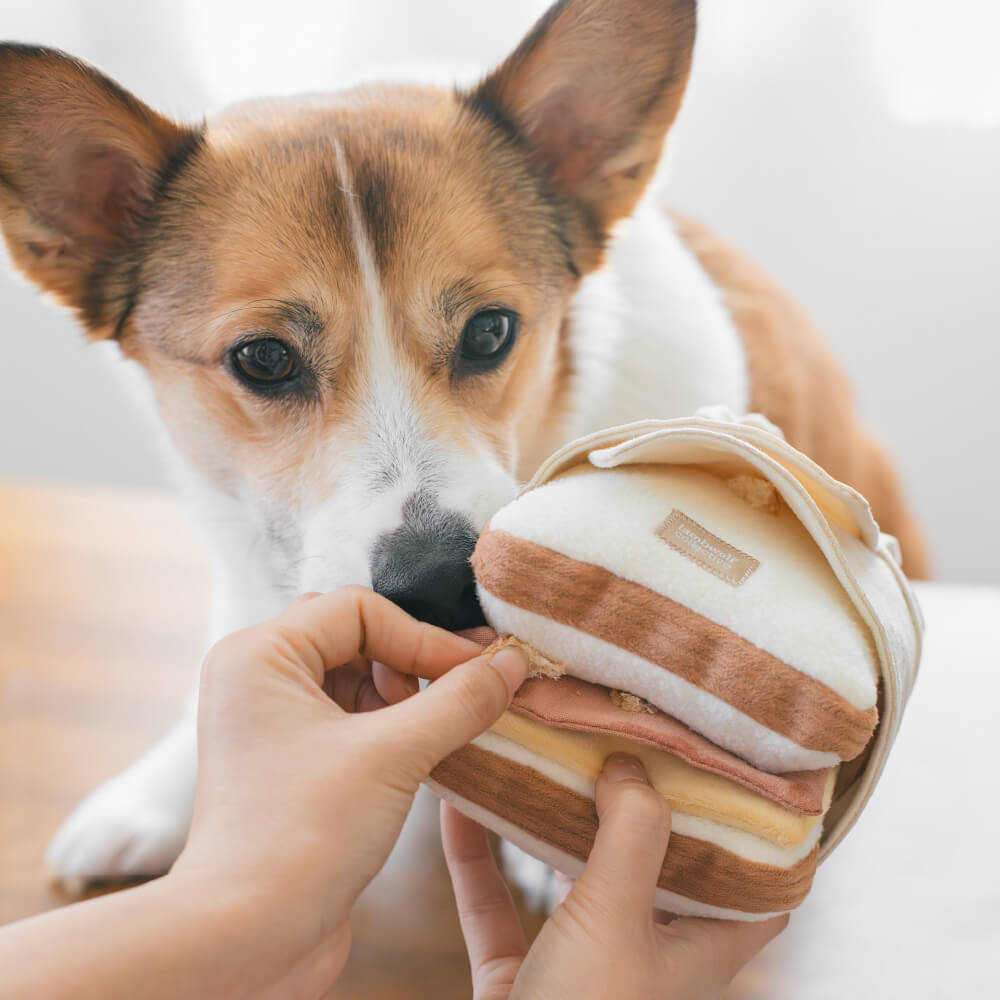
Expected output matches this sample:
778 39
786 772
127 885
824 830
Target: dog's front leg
136 823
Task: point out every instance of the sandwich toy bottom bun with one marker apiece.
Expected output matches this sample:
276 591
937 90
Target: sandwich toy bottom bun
698 594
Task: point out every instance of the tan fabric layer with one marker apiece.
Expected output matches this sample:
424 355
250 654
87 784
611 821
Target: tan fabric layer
686 788
657 629
552 813
571 703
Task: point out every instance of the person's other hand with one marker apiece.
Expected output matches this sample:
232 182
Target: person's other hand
305 775
603 940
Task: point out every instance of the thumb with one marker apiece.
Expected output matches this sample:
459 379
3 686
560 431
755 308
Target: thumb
456 708
619 881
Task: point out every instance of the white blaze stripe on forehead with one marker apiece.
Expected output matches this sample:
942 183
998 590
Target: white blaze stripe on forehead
395 447
379 322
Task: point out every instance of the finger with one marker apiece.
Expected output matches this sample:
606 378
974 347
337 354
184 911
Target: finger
632 837
352 687
327 631
493 934
719 948
391 684
454 710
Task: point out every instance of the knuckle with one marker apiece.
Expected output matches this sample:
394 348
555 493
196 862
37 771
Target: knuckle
474 700
587 912
234 651
225 654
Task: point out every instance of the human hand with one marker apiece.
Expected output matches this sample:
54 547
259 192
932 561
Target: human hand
603 940
305 776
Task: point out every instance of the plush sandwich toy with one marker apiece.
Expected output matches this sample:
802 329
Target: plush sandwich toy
698 594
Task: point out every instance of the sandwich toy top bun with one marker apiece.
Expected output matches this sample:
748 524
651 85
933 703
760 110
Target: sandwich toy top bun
697 593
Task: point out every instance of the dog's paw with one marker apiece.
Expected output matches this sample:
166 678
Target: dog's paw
541 886
121 830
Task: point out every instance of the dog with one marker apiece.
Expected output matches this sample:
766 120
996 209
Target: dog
362 320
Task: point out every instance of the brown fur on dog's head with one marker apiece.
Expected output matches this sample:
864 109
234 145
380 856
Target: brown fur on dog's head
362 231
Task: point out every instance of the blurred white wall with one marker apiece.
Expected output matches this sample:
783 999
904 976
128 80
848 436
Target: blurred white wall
851 146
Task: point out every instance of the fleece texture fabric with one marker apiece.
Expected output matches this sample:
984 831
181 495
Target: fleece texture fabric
600 662
791 606
784 647
708 862
708 568
687 788
570 703
572 865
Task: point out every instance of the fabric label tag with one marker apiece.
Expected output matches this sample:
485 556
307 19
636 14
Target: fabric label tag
708 551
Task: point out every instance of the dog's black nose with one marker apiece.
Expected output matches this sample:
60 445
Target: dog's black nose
423 566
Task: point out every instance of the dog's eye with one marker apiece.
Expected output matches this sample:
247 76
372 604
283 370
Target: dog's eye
264 362
488 335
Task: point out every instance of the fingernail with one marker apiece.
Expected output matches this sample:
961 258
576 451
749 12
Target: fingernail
412 684
512 666
622 767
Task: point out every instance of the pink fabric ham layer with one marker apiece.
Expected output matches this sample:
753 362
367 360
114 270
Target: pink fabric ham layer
570 703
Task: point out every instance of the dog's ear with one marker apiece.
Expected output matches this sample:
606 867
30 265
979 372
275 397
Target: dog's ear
81 164
592 89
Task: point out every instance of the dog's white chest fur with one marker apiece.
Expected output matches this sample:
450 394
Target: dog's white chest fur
651 337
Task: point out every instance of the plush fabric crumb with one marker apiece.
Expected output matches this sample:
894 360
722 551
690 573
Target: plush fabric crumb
757 492
539 665
631 702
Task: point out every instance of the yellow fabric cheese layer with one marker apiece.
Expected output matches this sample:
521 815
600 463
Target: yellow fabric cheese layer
686 788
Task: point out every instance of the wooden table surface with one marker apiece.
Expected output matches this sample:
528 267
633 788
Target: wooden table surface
103 604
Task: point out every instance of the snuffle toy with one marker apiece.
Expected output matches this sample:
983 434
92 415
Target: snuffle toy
700 595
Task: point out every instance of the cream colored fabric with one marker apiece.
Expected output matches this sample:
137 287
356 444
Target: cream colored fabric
840 521
791 606
739 842
685 787
617 667
669 902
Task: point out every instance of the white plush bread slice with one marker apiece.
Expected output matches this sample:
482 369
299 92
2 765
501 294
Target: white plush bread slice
778 668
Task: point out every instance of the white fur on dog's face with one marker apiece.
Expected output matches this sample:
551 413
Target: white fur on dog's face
394 462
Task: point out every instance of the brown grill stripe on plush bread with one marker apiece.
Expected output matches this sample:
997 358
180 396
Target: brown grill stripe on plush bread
558 816
595 601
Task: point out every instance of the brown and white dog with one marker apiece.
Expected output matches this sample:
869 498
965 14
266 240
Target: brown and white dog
363 319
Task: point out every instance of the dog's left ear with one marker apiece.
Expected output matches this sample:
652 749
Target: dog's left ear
81 161
592 90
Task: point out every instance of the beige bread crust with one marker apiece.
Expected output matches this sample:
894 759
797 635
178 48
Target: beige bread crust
797 383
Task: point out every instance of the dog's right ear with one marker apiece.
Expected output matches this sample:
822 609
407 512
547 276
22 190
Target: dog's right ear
591 92
81 164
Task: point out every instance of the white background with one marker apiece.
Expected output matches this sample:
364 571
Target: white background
850 146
